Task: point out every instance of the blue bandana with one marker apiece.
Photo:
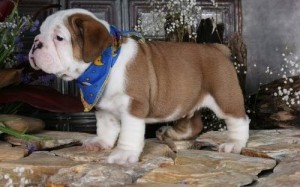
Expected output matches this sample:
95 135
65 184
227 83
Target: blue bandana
93 81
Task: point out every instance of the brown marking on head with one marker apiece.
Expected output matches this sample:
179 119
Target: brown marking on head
89 36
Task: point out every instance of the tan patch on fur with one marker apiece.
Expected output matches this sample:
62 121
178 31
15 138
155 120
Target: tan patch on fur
193 124
89 37
166 75
183 129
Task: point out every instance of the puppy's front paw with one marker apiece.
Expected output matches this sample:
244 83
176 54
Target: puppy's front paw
120 156
232 147
96 144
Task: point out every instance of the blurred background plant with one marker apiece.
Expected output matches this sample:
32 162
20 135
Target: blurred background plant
19 83
22 89
11 30
178 19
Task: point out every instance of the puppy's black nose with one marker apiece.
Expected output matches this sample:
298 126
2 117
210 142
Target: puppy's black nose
39 45
36 46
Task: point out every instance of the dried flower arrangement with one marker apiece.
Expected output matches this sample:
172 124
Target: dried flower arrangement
178 18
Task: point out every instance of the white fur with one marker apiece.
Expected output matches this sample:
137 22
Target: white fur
174 116
238 131
238 128
209 102
131 138
108 128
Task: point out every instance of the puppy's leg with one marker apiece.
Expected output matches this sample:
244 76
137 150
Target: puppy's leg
131 140
238 129
233 112
108 128
185 128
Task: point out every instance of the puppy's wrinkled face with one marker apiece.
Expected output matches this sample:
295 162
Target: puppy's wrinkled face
53 50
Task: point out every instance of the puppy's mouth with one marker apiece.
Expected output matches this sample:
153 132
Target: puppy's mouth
33 63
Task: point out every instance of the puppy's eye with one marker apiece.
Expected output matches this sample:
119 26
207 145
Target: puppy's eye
59 38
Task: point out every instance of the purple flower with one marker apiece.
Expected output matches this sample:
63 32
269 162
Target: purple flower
36 23
35 26
21 58
46 79
26 78
31 147
20 45
17 40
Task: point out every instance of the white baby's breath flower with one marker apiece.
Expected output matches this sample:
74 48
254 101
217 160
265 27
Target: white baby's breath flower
6 176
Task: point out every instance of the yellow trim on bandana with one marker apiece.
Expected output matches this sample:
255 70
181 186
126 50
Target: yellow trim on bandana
98 61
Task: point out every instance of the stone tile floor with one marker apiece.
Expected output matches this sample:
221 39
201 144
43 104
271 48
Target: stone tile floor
272 158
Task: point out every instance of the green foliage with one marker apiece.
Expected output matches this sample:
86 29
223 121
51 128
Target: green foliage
18 134
10 31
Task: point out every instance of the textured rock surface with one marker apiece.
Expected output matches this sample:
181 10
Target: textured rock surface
159 165
207 168
78 153
52 139
225 161
152 149
155 155
7 152
276 144
287 173
105 174
196 174
92 175
35 168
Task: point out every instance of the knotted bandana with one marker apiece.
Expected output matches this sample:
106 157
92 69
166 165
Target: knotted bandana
93 81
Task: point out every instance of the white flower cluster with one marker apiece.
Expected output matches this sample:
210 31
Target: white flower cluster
7 25
289 69
240 68
211 121
178 17
19 171
290 96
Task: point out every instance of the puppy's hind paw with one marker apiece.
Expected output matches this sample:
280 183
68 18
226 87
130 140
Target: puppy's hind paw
231 147
95 144
163 133
121 157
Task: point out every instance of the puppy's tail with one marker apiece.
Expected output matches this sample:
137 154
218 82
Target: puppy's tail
223 49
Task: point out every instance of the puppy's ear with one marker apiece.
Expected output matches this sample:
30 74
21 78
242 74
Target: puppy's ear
89 37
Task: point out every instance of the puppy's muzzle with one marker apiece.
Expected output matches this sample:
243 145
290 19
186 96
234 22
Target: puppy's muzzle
37 45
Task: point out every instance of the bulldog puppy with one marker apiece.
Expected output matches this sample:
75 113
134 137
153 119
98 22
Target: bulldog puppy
145 82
